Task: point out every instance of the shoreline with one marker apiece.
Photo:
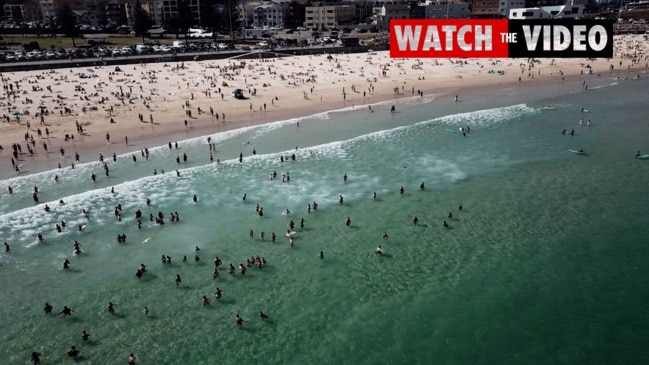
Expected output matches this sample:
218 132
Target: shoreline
305 94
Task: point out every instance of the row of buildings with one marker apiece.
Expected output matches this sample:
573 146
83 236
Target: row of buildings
296 13
111 13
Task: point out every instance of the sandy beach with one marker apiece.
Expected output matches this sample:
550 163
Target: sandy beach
128 108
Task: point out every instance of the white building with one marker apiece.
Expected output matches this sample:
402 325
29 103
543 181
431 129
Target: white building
267 15
446 9
392 11
331 16
504 6
548 12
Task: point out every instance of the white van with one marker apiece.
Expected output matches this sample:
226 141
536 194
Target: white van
142 48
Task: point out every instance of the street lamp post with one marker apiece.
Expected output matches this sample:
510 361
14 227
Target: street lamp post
230 17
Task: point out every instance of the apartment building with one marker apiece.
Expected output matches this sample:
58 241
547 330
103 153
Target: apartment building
267 15
329 16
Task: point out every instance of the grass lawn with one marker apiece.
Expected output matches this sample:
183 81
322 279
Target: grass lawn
65 42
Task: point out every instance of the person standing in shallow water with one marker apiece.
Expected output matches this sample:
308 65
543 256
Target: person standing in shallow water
36 358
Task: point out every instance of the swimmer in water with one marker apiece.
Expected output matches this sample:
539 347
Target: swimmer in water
48 308
205 301
421 186
379 250
7 247
131 359
85 336
66 311
415 220
239 320
374 195
263 315
348 221
340 199
445 224
385 236
73 352
36 358
178 280
66 264
321 255
110 307
218 293
146 310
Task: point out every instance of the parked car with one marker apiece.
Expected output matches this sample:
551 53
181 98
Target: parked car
238 94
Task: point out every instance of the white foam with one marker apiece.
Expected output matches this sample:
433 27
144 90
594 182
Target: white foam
166 188
603 86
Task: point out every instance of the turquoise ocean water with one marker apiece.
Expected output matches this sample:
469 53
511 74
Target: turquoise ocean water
546 263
